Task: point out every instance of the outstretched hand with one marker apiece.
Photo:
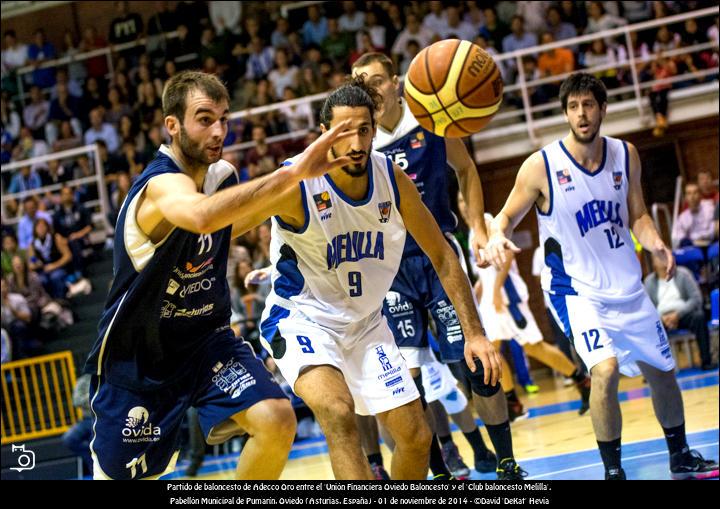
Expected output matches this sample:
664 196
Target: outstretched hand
314 162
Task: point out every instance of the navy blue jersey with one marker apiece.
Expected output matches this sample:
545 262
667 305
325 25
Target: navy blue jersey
422 156
167 299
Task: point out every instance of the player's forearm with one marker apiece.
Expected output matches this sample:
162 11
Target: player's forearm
501 226
457 287
471 189
258 197
644 230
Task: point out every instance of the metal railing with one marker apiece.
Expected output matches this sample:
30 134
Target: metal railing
98 179
37 397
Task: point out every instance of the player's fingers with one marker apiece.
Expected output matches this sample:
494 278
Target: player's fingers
338 163
470 360
512 247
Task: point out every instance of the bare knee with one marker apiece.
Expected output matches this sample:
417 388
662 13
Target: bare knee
272 418
336 416
605 376
413 433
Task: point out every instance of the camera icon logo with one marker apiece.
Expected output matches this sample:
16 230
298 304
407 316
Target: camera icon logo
26 460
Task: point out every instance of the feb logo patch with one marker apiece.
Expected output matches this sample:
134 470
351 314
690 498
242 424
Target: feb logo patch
384 209
322 201
564 177
617 179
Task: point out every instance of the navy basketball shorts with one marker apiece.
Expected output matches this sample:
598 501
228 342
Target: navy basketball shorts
416 294
136 434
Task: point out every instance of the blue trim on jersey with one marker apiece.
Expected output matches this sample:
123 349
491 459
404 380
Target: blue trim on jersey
581 167
270 324
305 225
550 186
396 191
291 281
559 302
627 161
560 283
349 200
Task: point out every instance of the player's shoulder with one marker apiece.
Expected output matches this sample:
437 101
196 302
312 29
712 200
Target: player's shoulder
535 162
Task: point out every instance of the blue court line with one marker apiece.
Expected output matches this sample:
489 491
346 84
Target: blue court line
688 380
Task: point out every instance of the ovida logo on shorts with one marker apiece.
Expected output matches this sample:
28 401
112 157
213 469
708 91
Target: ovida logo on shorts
396 304
138 428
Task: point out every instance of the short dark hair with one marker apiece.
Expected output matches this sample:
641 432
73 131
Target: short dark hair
354 93
177 88
372 57
579 83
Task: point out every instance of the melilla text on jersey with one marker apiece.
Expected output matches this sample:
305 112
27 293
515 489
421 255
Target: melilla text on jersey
598 212
355 246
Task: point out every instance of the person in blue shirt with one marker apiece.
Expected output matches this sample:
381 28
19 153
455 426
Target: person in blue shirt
39 52
26 179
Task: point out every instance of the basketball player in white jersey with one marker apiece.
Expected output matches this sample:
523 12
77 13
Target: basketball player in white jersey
337 241
588 197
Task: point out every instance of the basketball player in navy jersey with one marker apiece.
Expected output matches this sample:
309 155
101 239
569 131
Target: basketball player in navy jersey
424 157
165 341
587 193
337 242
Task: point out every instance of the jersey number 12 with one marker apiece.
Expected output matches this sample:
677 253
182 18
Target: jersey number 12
613 238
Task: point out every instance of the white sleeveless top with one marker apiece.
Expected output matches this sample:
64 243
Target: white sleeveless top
586 235
339 266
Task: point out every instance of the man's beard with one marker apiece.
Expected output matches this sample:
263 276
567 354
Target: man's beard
193 152
354 170
587 138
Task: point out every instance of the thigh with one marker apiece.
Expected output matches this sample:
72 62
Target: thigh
136 434
231 380
376 373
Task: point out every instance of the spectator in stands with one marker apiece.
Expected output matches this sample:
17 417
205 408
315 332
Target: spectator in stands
707 186
436 19
55 174
352 20
10 249
126 27
694 226
635 12
194 14
14 56
315 28
554 62
394 24
26 179
118 195
93 97
665 40
67 138
338 43
28 284
661 68
39 52
516 40
35 114
29 147
600 20
534 13
184 48
73 221
77 439
96 66
310 82
117 108
50 256
74 87
297 116
102 130
560 29
260 61
575 14
261 255
27 221
680 305
375 29
16 320
263 158
283 75
225 17
455 26
247 302
413 48
414 30
493 29
599 54
148 102
64 107
212 46
144 76
129 132
279 36
10 118
163 20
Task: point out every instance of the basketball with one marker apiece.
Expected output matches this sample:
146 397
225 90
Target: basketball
453 88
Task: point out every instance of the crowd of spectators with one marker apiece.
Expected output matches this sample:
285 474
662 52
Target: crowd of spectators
265 57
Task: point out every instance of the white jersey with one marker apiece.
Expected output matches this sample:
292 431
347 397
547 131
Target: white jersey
586 233
337 269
